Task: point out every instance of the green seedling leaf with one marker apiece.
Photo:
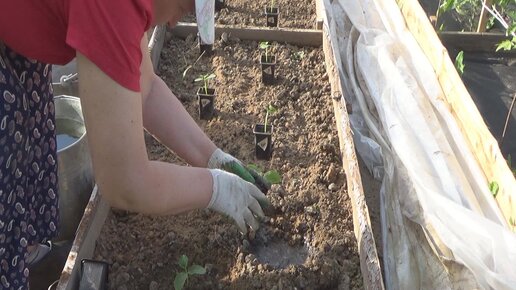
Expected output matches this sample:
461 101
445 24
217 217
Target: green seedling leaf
255 167
507 44
200 79
271 109
459 62
264 45
272 176
179 281
494 188
196 270
447 5
183 261
210 76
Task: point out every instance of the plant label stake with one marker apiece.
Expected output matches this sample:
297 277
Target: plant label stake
272 13
263 141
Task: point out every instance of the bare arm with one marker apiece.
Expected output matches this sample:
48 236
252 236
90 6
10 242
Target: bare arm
165 117
126 178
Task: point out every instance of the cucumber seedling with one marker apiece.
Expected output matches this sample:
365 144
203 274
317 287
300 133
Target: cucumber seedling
187 271
205 78
265 45
271 176
268 111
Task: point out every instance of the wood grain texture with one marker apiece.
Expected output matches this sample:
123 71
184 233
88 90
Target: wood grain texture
480 141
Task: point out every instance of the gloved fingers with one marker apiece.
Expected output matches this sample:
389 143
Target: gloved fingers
259 196
255 207
260 182
237 168
250 220
241 224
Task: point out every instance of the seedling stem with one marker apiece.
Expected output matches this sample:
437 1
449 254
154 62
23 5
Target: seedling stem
205 78
269 111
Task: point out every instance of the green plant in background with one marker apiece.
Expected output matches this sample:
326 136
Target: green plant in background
182 277
265 45
205 78
268 111
271 176
459 62
188 67
501 11
494 188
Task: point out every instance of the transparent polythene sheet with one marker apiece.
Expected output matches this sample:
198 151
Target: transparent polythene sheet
440 224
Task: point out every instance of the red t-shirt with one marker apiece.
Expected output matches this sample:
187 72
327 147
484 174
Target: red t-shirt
108 32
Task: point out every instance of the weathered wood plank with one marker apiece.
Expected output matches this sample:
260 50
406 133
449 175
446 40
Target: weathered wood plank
301 37
83 246
473 41
481 142
369 261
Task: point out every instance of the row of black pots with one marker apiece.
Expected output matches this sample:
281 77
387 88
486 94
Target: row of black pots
262 136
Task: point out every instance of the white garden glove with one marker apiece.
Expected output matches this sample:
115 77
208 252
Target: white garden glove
221 160
237 198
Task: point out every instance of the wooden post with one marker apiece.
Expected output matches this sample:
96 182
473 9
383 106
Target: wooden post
482 21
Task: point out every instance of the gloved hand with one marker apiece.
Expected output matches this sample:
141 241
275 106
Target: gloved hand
221 160
237 198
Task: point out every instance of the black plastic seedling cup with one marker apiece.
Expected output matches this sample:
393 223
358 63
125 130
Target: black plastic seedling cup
268 68
272 13
263 141
206 103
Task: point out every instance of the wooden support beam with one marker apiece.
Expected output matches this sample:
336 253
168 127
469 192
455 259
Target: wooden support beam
301 37
480 141
83 246
473 41
482 22
369 261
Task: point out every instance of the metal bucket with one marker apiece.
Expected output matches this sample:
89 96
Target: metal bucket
75 172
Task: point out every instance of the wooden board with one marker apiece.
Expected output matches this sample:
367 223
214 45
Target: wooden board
473 41
369 261
83 246
301 37
481 142
319 14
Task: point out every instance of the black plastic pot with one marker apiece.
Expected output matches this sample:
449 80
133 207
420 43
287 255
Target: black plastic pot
268 68
206 103
272 13
263 141
219 4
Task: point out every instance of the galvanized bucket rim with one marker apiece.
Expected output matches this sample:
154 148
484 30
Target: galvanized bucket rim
82 136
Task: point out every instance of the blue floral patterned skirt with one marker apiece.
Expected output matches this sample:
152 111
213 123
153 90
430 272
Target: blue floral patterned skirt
28 163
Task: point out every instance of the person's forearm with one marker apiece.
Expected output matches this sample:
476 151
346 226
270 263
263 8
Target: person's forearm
163 188
165 117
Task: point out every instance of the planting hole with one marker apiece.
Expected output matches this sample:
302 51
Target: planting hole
279 254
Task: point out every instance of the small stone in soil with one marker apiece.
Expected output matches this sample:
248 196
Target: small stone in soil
153 285
333 187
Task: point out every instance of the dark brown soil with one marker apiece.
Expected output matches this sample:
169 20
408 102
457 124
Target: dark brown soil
293 14
311 224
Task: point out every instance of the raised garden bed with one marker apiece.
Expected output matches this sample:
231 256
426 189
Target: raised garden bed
293 14
312 226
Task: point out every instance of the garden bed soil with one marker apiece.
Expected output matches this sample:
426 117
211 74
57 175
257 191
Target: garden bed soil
293 14
311 226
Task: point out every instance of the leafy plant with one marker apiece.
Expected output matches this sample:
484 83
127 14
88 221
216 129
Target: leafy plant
265 45
205 78
508 44
182 277
268 111
459 62
494 188
271 176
